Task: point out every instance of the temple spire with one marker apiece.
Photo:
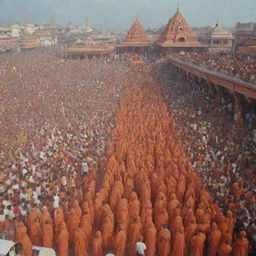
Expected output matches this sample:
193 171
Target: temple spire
178 7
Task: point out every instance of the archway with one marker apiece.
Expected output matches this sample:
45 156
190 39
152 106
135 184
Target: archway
181 39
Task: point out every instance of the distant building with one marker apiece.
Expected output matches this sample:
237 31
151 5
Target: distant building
7 42
178 36
245 34
45 38
29 28
15 30
83 51
247 51
28 43
220 40
86 28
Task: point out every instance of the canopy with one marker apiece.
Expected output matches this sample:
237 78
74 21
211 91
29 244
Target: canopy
5 246
43 251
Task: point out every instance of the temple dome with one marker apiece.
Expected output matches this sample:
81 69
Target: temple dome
219 32
177 32
136 40
137 34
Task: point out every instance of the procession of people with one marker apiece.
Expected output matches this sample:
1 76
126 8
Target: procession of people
94 162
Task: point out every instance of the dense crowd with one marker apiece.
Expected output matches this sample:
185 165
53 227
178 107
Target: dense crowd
87 174
242 68
223 153
55 119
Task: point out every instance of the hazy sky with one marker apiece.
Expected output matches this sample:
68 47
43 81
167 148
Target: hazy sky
119 14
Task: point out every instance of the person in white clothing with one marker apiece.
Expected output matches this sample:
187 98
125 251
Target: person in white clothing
140 247
56 201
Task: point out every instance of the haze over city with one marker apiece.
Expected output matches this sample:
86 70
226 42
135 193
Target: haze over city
118 14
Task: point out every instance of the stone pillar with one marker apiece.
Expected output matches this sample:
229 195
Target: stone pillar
237 110
218 94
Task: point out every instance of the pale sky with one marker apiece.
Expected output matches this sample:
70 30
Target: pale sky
119 14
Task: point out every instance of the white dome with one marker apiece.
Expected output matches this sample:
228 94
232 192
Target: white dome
219 32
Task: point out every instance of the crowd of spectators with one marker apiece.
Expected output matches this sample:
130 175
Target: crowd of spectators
242 68
55 118
223 153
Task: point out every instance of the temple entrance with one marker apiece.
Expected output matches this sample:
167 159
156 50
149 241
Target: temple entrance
181 40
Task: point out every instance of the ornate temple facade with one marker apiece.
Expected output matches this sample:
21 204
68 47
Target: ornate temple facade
220 40
136 40
178 36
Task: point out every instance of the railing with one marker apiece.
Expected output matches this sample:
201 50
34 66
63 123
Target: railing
233 84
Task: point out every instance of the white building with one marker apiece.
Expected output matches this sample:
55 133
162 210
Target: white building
220 40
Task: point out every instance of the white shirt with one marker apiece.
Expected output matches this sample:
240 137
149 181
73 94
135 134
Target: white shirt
85 167
56 202
140 248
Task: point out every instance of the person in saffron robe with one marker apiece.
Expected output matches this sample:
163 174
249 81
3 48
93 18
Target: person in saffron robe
45 217
134 232
120 242
48 235
36 233
179 242
134 205
72 224
107 231
241 245
97 244
161 218
230 221
225 249
80 244
213 240
190 231
62 241
164 241
150 240
23 238
197 244
58 219
86 225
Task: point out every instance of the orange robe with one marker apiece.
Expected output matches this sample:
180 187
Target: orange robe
179 243
22 237
241 247
48 235
190 231
225 250
80 244
62 241
32 217
164 242
230 222
120 243
45 217
97 244
58 219
134 233
86 226
134 206
161 218
107 231
114 198
36 233
197 244
150 240
72 224
213 240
